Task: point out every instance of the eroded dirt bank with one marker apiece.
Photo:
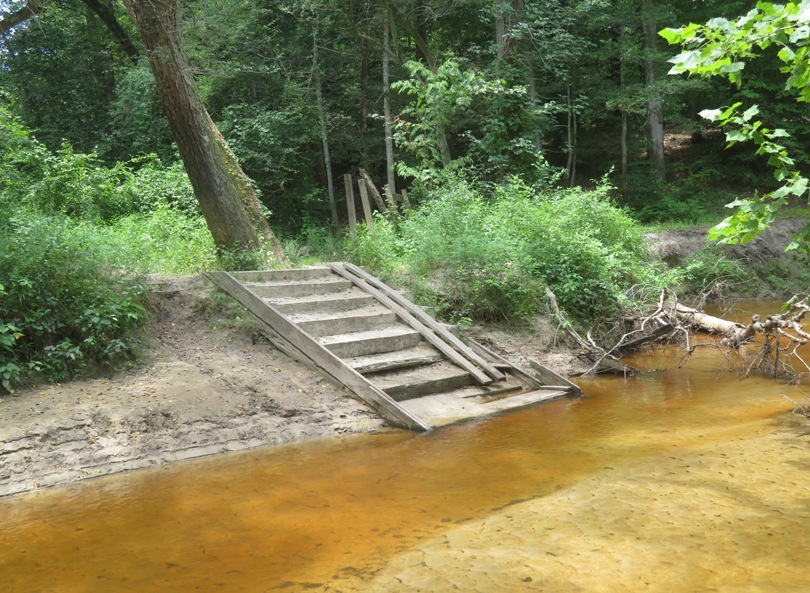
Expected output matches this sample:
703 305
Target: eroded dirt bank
206 389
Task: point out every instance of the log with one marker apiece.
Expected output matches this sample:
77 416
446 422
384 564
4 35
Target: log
735 333
653 335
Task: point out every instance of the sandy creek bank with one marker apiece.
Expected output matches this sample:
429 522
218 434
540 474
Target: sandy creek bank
206 388
209 387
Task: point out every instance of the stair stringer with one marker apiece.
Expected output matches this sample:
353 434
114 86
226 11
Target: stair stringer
301 342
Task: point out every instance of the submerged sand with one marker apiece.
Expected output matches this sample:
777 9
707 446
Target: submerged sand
730 516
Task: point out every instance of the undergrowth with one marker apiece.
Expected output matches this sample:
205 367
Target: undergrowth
490 253
63 310
75 236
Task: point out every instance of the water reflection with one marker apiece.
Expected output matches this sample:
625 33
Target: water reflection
326 515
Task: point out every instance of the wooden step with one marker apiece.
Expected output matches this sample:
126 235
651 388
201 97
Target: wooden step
420 381
443 409
296 288
339 301
299 274
492 391
420 355
329 324
387 339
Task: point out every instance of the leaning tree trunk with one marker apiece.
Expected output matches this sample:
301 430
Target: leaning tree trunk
227 198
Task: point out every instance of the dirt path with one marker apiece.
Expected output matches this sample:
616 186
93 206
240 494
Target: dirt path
208 387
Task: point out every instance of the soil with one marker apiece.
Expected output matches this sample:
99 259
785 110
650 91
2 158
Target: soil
208 386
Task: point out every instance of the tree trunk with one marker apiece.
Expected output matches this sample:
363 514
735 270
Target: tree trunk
389 136
365 58
655 109
419 39
506 15
227 198
571 125
623 140
105 12
31 9
327 160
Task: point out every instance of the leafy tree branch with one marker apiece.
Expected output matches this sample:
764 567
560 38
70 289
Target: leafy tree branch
722 48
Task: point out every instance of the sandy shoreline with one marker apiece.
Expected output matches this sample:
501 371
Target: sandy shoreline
208 388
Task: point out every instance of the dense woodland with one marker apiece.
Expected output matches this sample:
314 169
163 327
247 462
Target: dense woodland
533 138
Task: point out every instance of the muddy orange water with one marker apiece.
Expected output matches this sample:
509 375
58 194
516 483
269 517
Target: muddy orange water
677 480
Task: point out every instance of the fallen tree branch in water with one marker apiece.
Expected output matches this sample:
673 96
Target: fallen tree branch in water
772 357
601 360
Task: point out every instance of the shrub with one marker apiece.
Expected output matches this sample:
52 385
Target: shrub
489 253
163 241
714 275
63 310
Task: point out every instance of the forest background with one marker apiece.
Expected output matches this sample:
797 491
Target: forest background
535 140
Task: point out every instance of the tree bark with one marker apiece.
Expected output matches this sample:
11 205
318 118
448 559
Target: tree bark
389 136
623 139
506 15
327 160
571 126
730 330
227 198
655 109
105 12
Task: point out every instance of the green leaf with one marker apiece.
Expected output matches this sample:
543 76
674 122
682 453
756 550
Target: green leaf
673 36
750 112
736 136
711 114
786 54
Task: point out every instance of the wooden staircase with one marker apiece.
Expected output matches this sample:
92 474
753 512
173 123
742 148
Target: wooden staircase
385 349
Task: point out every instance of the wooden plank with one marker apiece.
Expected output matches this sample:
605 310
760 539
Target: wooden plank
373 190
550 376
405 199
546 378
502 363
350 205
325 360
427 320
361 183
412 321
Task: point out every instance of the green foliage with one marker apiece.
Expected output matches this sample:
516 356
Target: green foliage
62 69
490 256
722 48
63 310
163 241
81 185
712 274
380 249
137 125
438 98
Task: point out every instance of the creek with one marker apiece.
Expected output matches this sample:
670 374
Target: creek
680 479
